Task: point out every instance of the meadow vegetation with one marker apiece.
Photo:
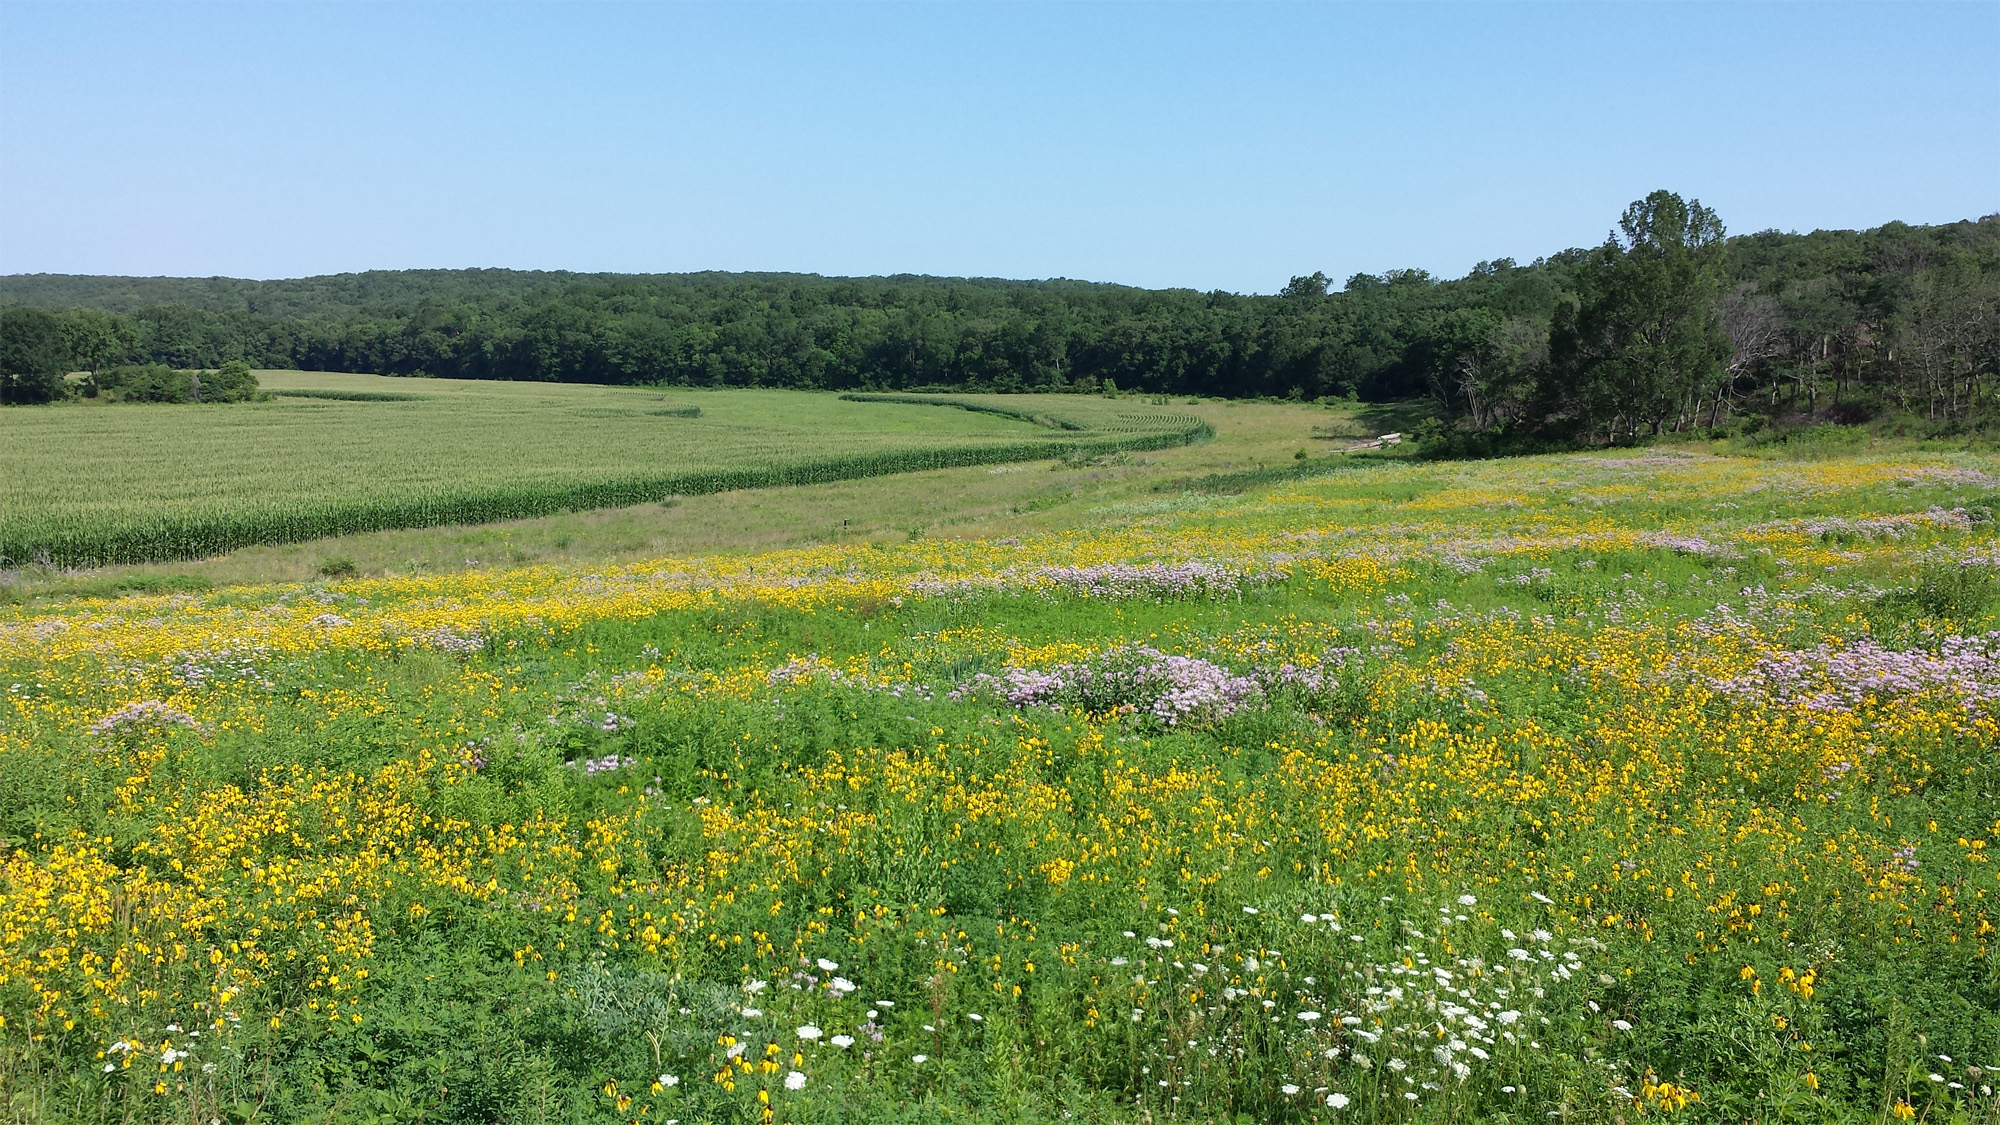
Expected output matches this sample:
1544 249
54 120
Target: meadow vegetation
1650 784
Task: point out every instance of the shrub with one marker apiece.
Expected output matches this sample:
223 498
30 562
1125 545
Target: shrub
233 382
156 382
150 382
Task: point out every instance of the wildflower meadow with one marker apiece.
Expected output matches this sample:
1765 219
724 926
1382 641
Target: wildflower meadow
1654 785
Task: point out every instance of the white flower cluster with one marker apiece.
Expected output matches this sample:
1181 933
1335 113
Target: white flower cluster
1405 1019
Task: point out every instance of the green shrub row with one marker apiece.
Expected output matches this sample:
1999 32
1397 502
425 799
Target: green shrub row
974 405
352 396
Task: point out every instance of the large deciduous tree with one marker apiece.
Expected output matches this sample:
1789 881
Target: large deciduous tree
1643 341
97 339
33 356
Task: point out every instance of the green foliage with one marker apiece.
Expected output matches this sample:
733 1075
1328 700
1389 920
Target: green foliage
156 382
980 407
96 339
1480 365
151 382
778 330
1944 593
232 382
336 395
1659 330
33 357
1642 344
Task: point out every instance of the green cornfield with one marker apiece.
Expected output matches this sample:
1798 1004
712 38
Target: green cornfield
87 484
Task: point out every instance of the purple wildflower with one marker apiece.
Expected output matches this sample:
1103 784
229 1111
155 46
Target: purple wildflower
1827 678
144 713
1170 690
446 639
1191 579
607 764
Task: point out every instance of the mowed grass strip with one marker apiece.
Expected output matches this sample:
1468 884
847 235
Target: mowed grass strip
90 484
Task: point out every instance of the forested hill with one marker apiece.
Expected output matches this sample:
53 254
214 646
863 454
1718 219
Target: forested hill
389 293
1903 313
793 330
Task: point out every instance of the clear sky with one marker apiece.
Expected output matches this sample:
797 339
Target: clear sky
1214 147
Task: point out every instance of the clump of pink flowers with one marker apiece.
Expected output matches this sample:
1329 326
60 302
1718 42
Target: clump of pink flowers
1174 691
1191 579
1829 678
141 714
448 640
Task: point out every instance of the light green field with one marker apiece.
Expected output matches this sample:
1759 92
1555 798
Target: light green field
88 483
972 501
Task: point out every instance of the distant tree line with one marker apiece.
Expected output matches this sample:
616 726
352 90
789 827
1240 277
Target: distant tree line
39 350
1669 325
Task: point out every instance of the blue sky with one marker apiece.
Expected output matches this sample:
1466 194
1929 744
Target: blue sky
1213 147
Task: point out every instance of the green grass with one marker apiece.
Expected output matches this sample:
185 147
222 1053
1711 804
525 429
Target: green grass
339 454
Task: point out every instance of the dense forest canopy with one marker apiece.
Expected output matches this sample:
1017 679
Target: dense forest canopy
1669 325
